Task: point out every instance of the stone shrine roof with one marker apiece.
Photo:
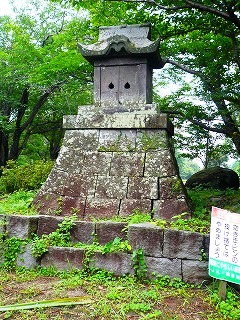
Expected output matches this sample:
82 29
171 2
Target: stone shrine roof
125 40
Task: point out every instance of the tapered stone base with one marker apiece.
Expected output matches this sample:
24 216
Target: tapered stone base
112 164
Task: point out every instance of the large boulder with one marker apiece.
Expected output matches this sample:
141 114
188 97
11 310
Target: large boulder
216 178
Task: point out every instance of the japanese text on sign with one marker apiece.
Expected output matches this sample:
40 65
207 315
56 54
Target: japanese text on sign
224 252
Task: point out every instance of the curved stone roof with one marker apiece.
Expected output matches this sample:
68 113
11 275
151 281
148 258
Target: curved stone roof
128 40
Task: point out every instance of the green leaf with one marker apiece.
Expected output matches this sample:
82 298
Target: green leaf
47 303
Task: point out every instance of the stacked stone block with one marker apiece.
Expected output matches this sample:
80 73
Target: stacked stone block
102 172
181 254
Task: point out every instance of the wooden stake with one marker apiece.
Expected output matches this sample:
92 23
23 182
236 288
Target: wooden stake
222 289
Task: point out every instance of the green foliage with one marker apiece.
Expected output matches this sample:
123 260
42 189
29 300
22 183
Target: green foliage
18 202
24 177
60 237
236 167
139 264
12 247
229 308
116 245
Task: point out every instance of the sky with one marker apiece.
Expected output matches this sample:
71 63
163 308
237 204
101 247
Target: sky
5 8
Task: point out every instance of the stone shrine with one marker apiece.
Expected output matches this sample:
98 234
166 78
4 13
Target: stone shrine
117 154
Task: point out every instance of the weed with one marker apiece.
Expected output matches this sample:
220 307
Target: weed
12 247
116 245
60 237
18 202
139 264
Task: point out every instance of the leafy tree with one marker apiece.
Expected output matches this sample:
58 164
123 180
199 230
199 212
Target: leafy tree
42 77
199 38
186 166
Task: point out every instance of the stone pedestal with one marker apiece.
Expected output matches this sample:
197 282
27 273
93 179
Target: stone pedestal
112 164
117 154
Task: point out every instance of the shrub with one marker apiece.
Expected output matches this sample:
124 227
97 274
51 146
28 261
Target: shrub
24 177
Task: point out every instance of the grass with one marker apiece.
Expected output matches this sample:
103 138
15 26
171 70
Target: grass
115 298
18 202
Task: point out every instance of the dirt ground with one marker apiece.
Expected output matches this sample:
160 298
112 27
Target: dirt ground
191 306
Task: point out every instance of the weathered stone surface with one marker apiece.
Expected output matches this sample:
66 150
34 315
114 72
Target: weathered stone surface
127 164
120 263
164 267
216 177
171 188
195 271
83 231
160 164
85 140
206 244
68 158
79 185
2 224
117 140
87 119
63 258
147 140
166 209
101 208
55 182
106 231
73 205
128 206
21 226
48 203
26 259
143 188
148 237
183 244
111 187
48 224
97 163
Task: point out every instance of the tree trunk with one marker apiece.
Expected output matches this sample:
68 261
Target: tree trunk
3 149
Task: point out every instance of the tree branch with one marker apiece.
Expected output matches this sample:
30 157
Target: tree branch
195 121
182 67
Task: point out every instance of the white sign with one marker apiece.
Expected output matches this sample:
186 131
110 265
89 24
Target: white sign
224 251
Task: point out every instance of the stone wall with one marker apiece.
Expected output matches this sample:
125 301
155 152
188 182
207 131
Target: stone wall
180 254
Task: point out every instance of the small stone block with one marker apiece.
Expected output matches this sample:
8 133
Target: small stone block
108 230
166 209
117 140
127 164
25 258
97 163
164 267
55 182
79 185
143 188
171 188
195 271
182 244
68 158
63 258
101 208
21 226
111 187
148 237
47 203
83 232
119 263
85 140
128 206
48 224
73 205
160 164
